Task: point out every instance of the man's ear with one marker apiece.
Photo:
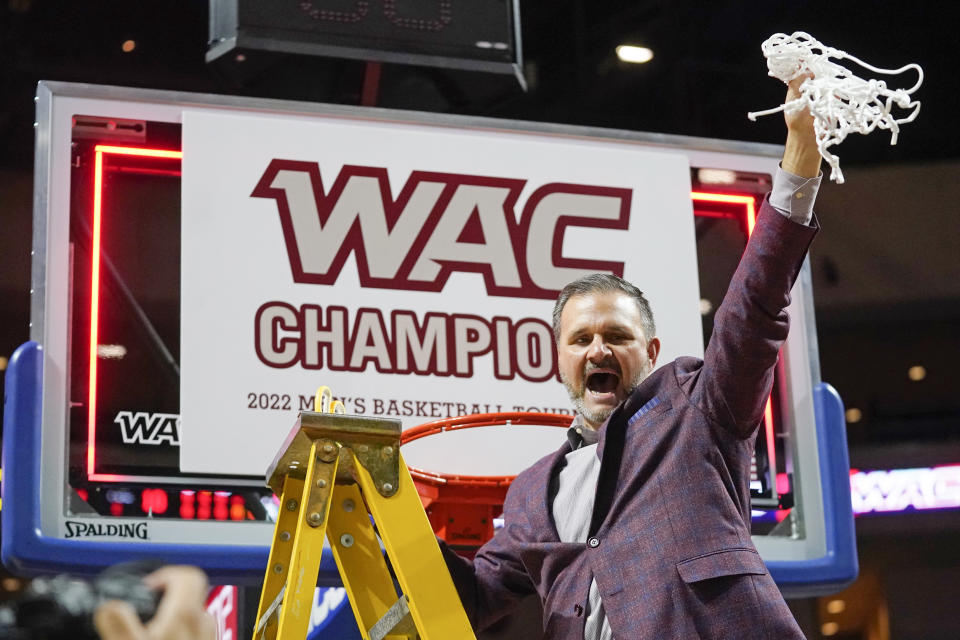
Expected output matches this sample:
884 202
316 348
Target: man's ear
653 350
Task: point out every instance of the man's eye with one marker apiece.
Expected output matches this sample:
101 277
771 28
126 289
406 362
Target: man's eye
582 340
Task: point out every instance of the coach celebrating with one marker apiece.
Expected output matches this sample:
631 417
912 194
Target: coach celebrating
639 526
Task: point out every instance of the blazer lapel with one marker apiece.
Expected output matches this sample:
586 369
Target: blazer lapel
613 432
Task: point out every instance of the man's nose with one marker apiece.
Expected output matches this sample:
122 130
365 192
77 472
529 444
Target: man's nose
598 350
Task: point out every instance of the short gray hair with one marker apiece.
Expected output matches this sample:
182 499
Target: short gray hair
604 283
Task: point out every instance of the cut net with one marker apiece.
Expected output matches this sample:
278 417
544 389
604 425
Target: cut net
839 101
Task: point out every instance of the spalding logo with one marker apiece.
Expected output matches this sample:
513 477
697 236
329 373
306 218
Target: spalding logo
133 530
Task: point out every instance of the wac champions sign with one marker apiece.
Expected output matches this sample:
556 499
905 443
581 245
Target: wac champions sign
411 268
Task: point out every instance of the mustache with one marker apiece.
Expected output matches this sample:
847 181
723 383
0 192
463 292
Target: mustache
609 364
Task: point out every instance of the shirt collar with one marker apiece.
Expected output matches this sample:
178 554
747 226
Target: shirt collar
580 435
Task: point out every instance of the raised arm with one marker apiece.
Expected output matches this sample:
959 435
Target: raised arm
752 323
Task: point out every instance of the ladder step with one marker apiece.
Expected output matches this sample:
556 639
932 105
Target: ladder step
396 621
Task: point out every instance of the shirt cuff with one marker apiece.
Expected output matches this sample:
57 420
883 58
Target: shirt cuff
793 196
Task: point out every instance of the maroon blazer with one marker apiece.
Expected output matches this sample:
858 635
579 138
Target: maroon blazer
669 539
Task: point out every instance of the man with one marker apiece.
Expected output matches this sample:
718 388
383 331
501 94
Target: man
639 526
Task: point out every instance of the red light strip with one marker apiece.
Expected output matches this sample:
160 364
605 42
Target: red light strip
771 439
94 309
138 151
728 198
99 151
750 206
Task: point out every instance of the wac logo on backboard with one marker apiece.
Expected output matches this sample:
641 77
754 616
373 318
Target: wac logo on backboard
440 223
142 427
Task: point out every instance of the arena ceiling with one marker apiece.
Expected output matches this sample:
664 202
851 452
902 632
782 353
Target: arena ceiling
707 70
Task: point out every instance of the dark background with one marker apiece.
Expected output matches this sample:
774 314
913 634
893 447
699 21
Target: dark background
886 267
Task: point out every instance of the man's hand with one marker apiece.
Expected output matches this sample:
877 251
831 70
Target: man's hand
800 155
180 615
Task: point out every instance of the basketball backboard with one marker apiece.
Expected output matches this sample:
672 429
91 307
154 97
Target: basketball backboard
186 303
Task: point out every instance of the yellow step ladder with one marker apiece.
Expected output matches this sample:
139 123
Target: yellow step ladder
333 473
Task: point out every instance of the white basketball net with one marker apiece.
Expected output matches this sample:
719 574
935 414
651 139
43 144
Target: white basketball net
839 101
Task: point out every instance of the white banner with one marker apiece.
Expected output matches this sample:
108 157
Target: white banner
411 268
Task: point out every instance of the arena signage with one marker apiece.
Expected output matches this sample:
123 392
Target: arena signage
410 268
896 490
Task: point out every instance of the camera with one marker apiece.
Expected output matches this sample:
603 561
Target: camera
62 607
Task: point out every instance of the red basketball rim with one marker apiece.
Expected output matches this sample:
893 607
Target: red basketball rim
516 418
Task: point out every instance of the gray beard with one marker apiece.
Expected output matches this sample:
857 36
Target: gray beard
592 417
598 416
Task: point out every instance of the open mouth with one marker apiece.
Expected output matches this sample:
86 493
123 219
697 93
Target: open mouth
602 382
